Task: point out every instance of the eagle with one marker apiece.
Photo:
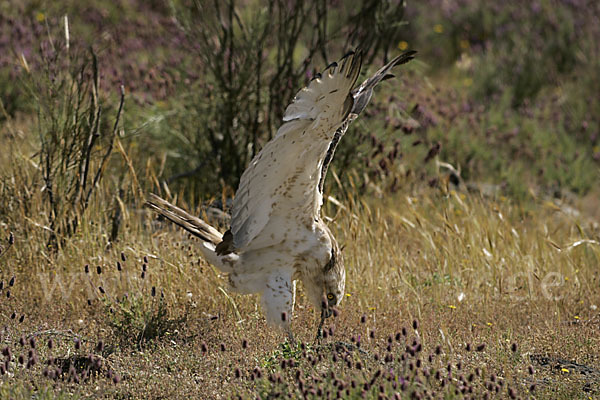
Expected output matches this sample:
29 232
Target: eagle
277 235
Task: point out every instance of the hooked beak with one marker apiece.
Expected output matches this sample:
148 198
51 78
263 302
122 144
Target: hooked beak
325 313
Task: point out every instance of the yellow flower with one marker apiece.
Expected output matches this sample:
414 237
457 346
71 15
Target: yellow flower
403 45
451 307
489 324
438 28
564 370
576 317
40 17
372 308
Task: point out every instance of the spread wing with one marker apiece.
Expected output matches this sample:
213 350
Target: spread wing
362 96
283 178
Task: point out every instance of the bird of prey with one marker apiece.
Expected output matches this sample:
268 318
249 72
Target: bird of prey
277 235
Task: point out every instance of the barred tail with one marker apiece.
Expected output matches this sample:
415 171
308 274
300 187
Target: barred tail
209 235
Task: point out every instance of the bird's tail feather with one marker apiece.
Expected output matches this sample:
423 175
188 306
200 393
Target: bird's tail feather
209 235
180 217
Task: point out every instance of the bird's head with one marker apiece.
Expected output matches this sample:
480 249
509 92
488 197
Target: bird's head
334 280
334 283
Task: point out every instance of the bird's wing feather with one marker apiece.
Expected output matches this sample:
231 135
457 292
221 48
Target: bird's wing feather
283 178
361 95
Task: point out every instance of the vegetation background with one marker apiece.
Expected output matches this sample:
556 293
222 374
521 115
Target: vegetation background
466 197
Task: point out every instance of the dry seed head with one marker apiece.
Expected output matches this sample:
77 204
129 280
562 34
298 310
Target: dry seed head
532 387
123 258
12 281
22 318
11 239
511 393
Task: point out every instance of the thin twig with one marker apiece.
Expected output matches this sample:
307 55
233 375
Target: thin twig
109 150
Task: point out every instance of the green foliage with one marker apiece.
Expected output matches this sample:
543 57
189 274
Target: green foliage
286 351
75 142
254 60
139 320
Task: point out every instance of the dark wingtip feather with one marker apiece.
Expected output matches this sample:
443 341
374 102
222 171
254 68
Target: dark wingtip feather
348 54
317 76
406 57
332 65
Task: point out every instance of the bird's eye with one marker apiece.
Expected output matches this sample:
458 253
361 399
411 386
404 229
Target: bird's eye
330 296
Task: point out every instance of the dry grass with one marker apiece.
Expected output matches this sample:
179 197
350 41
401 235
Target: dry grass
519 278
450 293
